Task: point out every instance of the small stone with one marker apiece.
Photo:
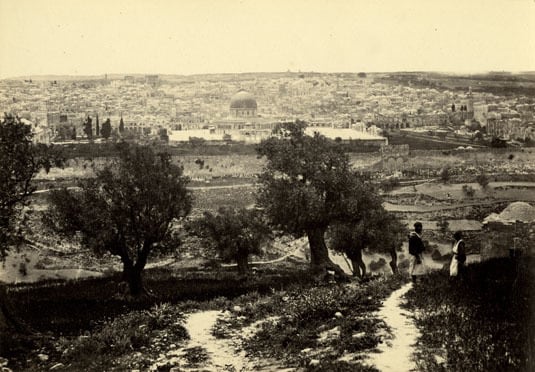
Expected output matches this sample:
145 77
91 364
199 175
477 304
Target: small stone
3 362
314 362
236 309
6 369
338 314
440 360
172 346
359 335
57 366
42 357
306 351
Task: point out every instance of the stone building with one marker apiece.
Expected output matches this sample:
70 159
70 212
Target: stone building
510 232
243 105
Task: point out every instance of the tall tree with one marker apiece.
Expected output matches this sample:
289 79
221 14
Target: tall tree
21 160
233 233
121 125
127 209
105 131
97 129
88 127
306 185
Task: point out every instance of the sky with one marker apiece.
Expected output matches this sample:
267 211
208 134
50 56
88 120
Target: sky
94 37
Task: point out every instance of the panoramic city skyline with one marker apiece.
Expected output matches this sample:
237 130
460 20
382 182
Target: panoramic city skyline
195 37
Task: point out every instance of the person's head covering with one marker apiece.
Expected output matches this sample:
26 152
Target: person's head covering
417 224
457 235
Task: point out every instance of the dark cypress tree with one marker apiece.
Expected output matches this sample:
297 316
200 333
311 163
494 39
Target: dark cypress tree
88 127
121 125
97 128
106 129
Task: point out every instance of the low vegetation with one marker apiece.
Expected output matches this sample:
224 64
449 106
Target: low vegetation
483 322
314 327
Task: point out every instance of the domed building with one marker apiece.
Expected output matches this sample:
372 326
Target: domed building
509 233
243 105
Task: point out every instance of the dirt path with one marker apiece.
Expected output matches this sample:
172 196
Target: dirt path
204 352
395 354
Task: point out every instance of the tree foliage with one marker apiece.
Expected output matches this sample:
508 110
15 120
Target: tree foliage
370 227
127 209
21 160
105 131
445 174
307 185
233 233
88 127
482 180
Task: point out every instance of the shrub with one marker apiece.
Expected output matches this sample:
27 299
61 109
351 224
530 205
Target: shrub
468 191
123 334
376 265
436 255
482 180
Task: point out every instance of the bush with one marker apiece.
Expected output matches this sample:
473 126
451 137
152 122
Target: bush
436 255
468 191
376 265
482 180
127 332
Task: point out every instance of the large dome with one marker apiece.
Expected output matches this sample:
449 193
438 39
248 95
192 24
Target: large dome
243 100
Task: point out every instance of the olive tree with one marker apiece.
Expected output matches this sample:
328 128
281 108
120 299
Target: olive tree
307 185
233 233
127 209
21 159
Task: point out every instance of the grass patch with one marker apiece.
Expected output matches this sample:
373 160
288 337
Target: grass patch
485 322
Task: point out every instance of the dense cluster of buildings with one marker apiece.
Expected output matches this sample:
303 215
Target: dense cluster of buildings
247 107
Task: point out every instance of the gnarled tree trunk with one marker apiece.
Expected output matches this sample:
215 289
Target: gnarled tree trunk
132 272
132 276
394 260
359 267
242 261
319 255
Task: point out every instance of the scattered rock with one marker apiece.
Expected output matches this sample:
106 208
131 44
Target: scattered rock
236 309
338 314
440 360
5 369
359 335
306 351
42 357
57 366
314 362
330 334
3 362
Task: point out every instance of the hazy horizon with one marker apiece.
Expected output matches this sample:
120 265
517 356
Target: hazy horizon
80 38
113 74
